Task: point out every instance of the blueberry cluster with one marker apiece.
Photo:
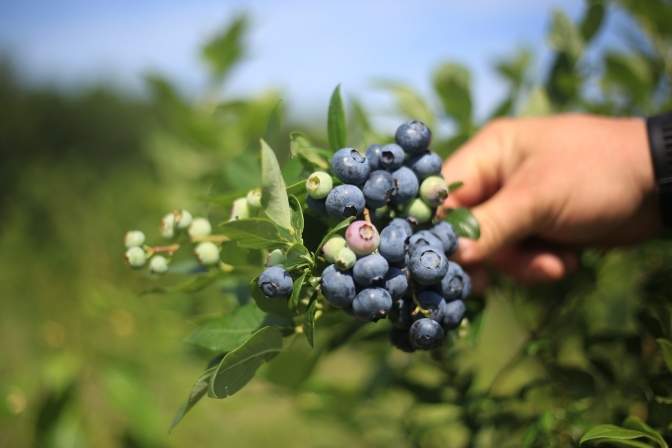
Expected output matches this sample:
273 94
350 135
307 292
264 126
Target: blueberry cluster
402 272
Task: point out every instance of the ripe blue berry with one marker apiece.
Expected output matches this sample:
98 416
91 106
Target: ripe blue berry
345 200
444 231
404 224
391 157
407 185
401 313
350 166
413 136
434 190
370 270
275 282
426 164
424 238
426 334
372 304
455 284
338 287
393 243
379 188
453 313
396 282
428 265
373 156
401 340
319 184
433 302
362 237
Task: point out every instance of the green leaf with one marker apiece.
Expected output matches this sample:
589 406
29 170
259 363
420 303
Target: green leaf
666 349
297 216
297 188
298 256
253 233
564 36
274 123
453 186
336 126
226 49
276 305
295 298
452 83
309 322
537 104
274 191
300 146
614 435
334 230
192 285
238 367
464 223
227 332
636 423
198 391
409 102
592 19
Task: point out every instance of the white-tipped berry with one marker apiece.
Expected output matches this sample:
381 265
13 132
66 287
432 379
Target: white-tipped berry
332 247
240 209
254 198
346 259
134 238
182 218
207 253
275 258
158 264
199 228
319 184
168 226
136 257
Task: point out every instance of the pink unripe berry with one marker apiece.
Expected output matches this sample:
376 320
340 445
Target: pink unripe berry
362 237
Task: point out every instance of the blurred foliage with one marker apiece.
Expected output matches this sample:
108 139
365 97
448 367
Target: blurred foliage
86 361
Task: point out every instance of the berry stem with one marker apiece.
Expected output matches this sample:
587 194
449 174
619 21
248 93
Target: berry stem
367 215
170 250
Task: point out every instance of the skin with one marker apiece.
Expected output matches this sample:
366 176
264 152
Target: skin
544 188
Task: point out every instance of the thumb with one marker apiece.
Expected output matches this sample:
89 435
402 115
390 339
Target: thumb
507 217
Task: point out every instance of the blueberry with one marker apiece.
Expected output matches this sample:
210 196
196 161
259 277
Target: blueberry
401 340
455 284
444 231
370 270
136 257
345 200
393 243
362 237
332 247
401 313
396 282
433 302
434 190
391 157
319 184
426 334
426 164
453 313
379 188
373 156
372 304
350 166
199 228
253 198
134 238
404 224
275 282
240 209
413 136
316 205
338 287
345 259
158 264
407 185
207 253
428 265
424 238
418 212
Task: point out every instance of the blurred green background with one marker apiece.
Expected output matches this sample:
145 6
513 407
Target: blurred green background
87 360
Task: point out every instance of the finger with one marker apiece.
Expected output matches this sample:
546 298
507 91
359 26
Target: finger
480 279
478 164
509 216
531 266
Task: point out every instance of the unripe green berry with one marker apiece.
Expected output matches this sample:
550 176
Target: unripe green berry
207 253
254 198
136 257
182 218
346 259
418 212
275 258
332 248
434 190
199 228
168 226
158 264
240 209
319 184
381 213
134 238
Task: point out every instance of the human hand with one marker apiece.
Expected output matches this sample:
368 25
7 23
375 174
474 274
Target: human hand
542 188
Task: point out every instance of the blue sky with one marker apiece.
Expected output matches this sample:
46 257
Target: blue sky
303 47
